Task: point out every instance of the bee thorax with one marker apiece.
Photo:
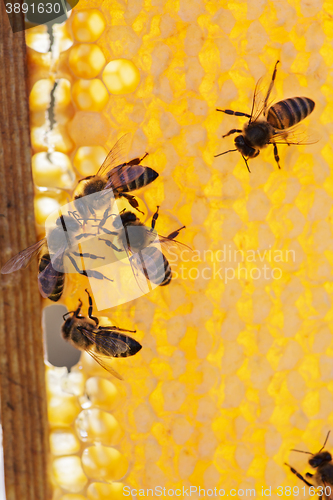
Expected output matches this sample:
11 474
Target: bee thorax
258 134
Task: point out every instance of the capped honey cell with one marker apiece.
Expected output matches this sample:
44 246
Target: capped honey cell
90 95
86 60
88 25
88 159
121 76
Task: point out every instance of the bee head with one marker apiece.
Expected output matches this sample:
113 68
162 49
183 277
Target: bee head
244 148
320 459
124 219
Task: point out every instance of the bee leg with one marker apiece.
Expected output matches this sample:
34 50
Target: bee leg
107 231
90 310
110 244
154 218
87 255
309 475
173 235
92 274
131 200
137 161
246 163
235 113
233 131
276 154
298 475
270 88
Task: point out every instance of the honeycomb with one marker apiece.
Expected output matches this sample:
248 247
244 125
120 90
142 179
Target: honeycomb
236 367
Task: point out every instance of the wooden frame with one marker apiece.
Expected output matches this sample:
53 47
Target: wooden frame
22 373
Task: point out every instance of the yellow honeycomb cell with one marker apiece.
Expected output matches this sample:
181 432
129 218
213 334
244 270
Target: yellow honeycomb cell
88 159
86 60
40 98
52 169
68 473
62 93
100 491
90 95
45 205
103 463
88 25
88 128
63 442
98 426
121 76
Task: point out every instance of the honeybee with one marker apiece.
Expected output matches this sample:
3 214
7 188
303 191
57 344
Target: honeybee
121 177
257 134
51 276
101 342
148 263
323 477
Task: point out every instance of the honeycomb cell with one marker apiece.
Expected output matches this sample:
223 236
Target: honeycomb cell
37 38
100 491
40 95
121 76
63 442
88 159
88 25
98 426
89 128
62 411
52 169
68 473
104 464
62 93
90 95
44 206
86 61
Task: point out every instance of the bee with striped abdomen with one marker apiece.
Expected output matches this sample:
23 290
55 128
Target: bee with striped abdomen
141 245
101 342
52 250
121 177
280 117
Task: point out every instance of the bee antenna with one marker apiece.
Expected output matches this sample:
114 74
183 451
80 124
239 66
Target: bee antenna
321 449
301 451
225 152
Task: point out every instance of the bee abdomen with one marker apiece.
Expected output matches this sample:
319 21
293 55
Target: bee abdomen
59 286
160 272
286 113
148 176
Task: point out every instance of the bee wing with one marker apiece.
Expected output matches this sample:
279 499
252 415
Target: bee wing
123 174
295 135
259 104
47 279
112 341
100 360
23 258
168 243
115 155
